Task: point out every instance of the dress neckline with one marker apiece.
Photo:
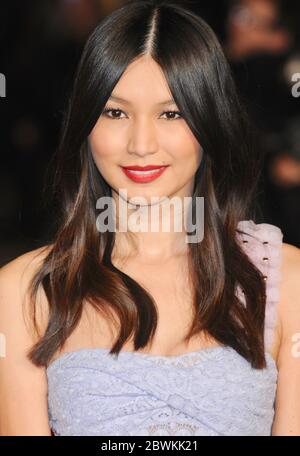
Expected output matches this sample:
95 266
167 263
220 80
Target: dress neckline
201 354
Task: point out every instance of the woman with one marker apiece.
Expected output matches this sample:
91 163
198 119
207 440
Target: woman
147 332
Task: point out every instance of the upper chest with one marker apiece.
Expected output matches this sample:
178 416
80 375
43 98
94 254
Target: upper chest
169 285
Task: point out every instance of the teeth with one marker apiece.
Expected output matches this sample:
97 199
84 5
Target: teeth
144 172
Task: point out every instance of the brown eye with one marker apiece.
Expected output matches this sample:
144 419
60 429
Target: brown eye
115 113
173 113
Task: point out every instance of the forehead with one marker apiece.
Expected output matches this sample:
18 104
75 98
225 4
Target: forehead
143 80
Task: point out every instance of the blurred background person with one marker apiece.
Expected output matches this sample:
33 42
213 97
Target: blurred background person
262 44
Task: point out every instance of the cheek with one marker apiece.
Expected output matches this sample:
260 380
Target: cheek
105 145
185 149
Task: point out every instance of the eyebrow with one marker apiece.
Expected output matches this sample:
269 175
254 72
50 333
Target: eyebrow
122 100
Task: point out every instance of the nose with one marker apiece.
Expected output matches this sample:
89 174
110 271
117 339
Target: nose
142 140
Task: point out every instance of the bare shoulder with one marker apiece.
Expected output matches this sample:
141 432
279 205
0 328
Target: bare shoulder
26 262
290 280
21 269
23 385
289 288
15 277
291 255
287 416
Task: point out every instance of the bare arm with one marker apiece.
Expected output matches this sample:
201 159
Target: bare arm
23 386
287 405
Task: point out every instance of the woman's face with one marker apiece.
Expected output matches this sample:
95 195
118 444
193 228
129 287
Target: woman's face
142 129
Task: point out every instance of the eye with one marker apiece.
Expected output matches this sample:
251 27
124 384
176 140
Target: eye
107 110
172 114
118 111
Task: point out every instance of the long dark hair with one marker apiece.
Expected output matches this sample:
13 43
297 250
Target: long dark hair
78 265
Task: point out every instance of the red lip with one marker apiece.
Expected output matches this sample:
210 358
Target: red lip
144 168
140 178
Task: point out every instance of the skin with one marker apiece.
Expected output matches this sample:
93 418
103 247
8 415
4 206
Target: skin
144 133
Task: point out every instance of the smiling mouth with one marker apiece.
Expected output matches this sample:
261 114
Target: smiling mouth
144 174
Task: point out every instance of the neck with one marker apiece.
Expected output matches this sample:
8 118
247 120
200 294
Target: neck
151 233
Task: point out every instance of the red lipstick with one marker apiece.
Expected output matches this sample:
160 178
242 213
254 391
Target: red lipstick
143 174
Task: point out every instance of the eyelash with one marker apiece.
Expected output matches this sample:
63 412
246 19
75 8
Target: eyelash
106 110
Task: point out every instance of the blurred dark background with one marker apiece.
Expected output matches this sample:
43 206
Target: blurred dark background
41 42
